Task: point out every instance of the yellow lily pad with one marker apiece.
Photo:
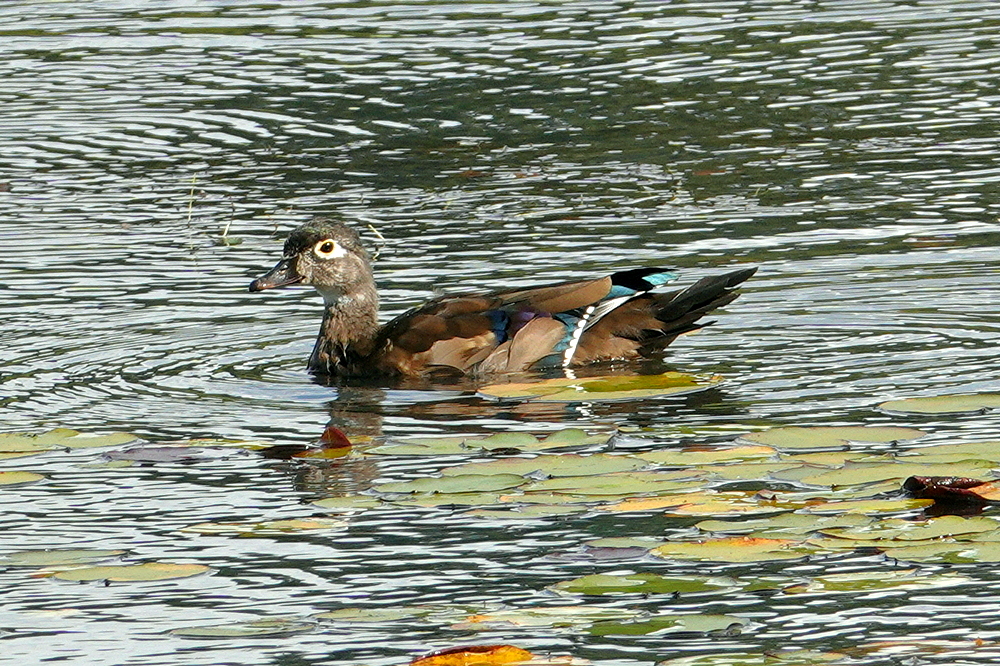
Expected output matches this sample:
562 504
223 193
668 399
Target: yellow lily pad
944 404
601 389
133 572
17 478
829 437
733 549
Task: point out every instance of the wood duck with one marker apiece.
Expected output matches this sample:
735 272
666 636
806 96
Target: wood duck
568 324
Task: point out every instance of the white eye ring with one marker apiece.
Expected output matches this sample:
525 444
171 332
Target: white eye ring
329 249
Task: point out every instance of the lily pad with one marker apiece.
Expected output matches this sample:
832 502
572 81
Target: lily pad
829 437
348 503
601 389
733 549
643 583
878 581
133 572
862 473
457 483
266 528
897 529
17 478
784 525
567 464
365 615
53 558
728 625
623 484
943 404
784 658
545 616
527 512
951 453
61 438
947 551
470 444
475 655
700 456
253 629
870 507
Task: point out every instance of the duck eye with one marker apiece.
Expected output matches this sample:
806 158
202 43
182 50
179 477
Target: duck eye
329 249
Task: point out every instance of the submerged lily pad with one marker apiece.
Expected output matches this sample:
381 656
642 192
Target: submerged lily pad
252 629
348 503
784 658
61 438
133 572
829 437
17 477
602 389
58 557
944 404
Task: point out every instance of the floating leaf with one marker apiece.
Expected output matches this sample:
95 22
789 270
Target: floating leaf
52 558
266 528
944 404
515 441
566 464
699 456
457 483
544 616
728 625
456 499
133 572
878 581
268 628
644 583
475 655
910 530
862 473
734 549
947 551
829 437
623 484
950 453
17 478
784 658
61 438
601 389
871 507
783 525
528 512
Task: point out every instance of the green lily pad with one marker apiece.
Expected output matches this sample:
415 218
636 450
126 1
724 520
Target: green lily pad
54 558
17 478
61 438
732 549
268 628
527 512
877 581
953 453
784 525
728 625
870 507
266 528
601 389
365 615
692 457
545 616
897 529
566 464
457 483
623 484
863 473
133 572
952 552
643 583
784 658
829 437
470 444
457 499
943 404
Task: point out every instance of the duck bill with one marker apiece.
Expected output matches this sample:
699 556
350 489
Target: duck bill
281 275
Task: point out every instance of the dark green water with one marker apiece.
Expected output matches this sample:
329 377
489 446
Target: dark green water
848 149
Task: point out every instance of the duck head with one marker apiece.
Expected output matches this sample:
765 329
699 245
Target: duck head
325 254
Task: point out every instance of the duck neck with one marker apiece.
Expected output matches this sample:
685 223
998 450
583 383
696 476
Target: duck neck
347 334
